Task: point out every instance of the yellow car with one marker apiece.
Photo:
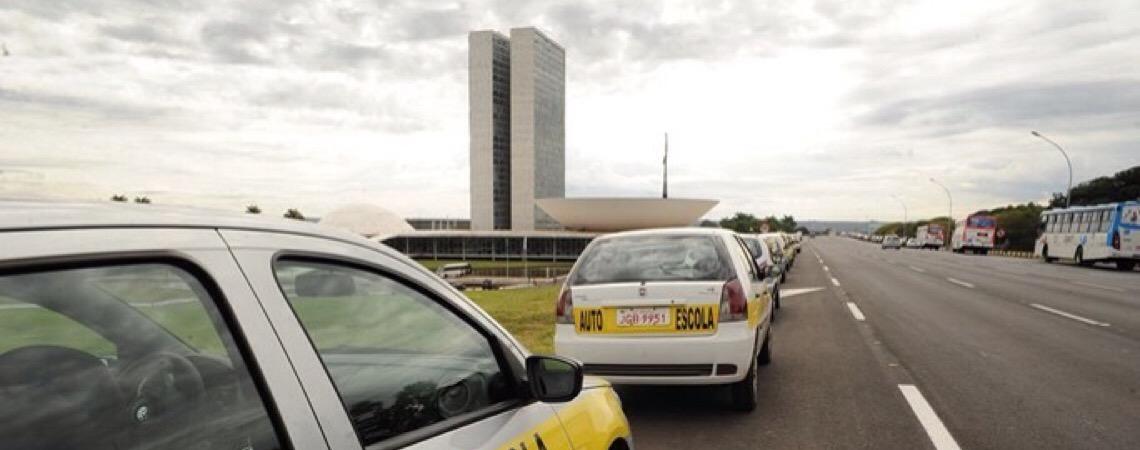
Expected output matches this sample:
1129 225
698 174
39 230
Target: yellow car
162 327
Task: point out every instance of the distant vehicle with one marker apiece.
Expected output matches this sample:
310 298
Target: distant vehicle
680 306
777 253
877 239
891 241
453 270
1088 234
913 243
930 236
974 235
773 272
176 329
787 248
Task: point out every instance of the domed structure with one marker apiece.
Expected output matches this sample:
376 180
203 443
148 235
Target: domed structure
366 220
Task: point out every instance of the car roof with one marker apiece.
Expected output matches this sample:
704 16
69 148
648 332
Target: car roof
706 231
46 215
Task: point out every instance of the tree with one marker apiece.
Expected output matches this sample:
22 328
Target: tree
1124 185
741 223
293 213
118 198
144 200
253 209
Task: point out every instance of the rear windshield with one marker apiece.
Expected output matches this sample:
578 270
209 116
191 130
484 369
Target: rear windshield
982 222
653 258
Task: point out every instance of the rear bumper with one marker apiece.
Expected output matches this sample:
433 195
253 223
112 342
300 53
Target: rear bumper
720 358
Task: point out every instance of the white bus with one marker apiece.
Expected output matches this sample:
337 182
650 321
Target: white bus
929 236
975 234
1088 234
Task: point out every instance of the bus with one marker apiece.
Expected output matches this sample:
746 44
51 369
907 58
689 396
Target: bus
1090 234
929 236
975 234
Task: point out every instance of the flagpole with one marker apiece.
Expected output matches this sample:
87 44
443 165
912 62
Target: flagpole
665 169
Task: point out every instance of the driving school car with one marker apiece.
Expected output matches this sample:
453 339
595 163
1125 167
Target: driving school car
141 327
668 307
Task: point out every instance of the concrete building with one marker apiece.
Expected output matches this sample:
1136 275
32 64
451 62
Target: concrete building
517 90
489 115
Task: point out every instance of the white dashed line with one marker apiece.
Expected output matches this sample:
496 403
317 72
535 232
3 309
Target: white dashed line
918 269
834 281
856 312
939 435
1094 285
825 268
1069 315
960 283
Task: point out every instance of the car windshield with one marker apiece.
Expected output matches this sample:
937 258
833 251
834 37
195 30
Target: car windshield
653 258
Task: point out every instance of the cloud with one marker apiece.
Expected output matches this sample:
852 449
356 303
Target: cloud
818 109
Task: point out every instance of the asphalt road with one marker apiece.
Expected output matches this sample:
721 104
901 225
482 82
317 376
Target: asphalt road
953 351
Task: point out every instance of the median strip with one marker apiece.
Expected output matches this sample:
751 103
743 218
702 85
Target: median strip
939 435
1069 315
856 312
960 282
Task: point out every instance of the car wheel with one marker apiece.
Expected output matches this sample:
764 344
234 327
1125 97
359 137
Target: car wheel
744 392
1120 265
765 356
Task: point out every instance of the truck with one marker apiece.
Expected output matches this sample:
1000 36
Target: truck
930 236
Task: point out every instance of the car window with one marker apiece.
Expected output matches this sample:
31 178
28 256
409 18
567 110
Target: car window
654 258
136 354
399 359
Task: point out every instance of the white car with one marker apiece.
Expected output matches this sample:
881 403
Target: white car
668 307
148 327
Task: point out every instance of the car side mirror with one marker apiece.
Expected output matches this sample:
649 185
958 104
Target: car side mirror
554 379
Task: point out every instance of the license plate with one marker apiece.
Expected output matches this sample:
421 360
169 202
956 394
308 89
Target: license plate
642 317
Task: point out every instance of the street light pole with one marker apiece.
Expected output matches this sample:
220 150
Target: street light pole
904 232
950 230
1069 193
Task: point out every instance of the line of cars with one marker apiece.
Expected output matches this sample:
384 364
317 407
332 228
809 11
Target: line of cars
138 327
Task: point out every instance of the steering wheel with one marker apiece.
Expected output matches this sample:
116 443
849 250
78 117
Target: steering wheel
159 385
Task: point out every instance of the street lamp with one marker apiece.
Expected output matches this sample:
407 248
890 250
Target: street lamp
904 232
1069 194
950 229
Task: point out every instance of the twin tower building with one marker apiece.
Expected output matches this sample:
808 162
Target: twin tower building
517 89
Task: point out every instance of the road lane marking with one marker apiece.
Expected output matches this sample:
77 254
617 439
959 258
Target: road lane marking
834 281
1069 315
939 435
918 269
960 282
1108 288
825 268
856 312
784 293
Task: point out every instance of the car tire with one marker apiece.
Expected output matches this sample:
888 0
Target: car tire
746 391
1121 265
765 356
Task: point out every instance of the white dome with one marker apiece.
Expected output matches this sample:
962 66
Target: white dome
366 220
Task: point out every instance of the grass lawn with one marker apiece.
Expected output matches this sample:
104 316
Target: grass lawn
432 264
527 313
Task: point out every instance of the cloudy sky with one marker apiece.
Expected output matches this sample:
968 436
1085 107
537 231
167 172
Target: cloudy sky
819 109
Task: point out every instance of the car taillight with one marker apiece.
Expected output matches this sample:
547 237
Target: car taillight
564 307
1116 239
733 304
